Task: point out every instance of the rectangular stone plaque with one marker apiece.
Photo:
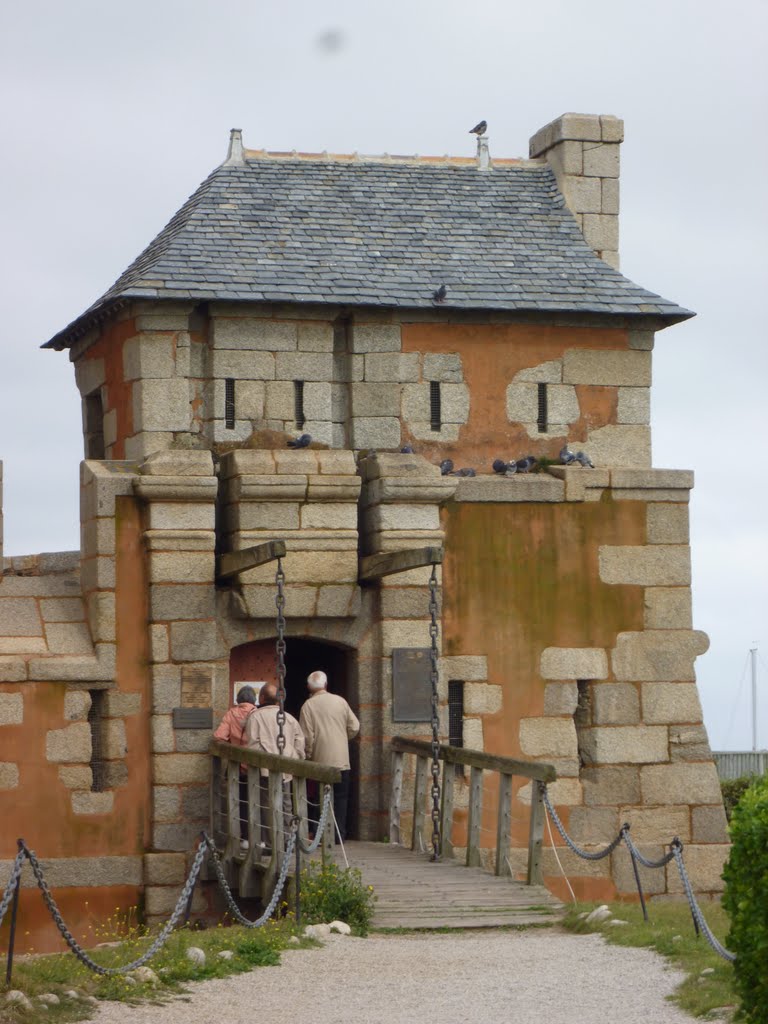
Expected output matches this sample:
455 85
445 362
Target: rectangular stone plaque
193 718
196 687
411 687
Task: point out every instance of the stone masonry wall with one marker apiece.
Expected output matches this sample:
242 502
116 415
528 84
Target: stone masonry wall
367 382
606 692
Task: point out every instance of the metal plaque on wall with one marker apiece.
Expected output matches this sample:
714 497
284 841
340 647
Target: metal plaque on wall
411 687
193 718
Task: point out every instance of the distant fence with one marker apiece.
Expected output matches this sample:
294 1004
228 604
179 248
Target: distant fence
732 764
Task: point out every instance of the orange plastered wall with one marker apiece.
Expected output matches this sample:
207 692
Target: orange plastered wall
519 578
118 393
491 356
39 809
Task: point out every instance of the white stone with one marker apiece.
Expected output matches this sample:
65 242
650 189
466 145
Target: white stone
196 956
599 914
17 998
49 999
145 976
617 922
341 927
317 931
225 954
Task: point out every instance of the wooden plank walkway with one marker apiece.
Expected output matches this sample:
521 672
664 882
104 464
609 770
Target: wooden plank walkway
415 893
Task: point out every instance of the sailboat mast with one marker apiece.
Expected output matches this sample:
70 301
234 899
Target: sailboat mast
753 665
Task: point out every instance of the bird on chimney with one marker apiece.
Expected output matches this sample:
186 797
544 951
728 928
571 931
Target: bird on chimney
439 294
480 129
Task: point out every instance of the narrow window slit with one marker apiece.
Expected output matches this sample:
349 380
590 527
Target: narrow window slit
229 403
298 404
456 717
96 723
542 421
435 405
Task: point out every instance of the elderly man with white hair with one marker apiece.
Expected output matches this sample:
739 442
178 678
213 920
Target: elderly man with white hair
328 724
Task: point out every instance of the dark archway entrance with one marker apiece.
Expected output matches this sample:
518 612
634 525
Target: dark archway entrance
257 662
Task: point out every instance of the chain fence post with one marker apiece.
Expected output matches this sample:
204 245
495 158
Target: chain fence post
624 832
434 700
12 935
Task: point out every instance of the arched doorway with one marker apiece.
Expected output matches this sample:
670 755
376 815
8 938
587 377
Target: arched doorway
256 662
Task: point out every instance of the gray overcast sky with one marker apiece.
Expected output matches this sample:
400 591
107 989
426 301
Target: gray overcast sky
112 113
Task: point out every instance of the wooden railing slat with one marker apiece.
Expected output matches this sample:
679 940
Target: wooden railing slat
419 796
477 759
274 762
475 815
503 824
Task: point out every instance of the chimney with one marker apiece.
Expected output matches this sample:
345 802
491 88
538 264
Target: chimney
235 156
483 153
583 152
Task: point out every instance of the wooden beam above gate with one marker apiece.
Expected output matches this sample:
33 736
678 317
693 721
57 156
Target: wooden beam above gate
387 563
232 563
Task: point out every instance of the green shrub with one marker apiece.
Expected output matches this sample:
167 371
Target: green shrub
733 790
746 900
330 893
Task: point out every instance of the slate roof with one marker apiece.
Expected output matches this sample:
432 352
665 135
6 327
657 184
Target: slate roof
379 233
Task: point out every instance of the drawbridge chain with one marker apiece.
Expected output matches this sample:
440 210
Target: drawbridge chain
280 603
434 697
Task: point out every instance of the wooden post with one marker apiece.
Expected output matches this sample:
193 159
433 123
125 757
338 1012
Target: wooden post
446 808
536 835
396 797
250 883
300 806
503 824
329 834
215 803
475 814
419 797
233 811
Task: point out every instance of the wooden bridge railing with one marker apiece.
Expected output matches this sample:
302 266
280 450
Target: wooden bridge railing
477 762
245 805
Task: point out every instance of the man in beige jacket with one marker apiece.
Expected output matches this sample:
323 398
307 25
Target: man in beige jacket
329 723
261 732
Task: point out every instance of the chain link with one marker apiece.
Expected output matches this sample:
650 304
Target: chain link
677 853
662 862
434 697
584 854
310 848
159 942
224 885
280 603
18 864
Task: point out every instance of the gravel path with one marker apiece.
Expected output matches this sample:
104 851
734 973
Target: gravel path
488 977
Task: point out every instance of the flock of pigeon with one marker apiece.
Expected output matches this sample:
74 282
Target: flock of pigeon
500 466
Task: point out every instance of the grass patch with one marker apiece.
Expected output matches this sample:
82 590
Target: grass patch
670 932
61 973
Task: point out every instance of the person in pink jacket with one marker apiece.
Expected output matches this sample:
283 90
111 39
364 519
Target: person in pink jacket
231 729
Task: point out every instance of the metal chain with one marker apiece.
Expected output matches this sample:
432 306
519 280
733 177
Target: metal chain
662 862
224 885
434 680
159 942
5 902
677 853
311 847
280 603
584 854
